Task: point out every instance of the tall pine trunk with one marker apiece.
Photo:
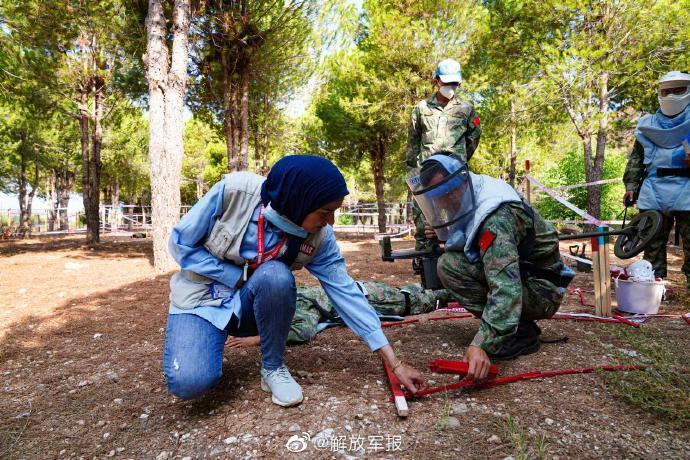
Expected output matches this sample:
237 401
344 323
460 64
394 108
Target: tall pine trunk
596 169
64 183
166 73
52 198
228 112
264 166
243 158
114 204
84 115
378 156
95 166
513 143
26 196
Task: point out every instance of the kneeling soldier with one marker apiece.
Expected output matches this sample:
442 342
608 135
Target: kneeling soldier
502 260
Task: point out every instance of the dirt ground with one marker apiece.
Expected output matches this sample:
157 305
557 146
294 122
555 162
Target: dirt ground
81 336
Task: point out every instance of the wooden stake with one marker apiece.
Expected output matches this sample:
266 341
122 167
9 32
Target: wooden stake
605 273
596 271
602 274
399 397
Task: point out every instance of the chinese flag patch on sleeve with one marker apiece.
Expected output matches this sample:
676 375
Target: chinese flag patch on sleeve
475 121
486 240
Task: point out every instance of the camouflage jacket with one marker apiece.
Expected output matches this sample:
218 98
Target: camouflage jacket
434 127
635 170
509 225
313 306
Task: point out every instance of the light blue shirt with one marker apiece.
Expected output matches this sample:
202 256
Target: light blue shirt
328 266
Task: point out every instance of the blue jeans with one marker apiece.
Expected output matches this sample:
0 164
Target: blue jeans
193 350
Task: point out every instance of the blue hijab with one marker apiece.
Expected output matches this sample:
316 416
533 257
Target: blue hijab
300 184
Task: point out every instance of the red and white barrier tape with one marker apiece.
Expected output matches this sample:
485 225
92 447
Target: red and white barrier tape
567 204
588 184
579 259
379 236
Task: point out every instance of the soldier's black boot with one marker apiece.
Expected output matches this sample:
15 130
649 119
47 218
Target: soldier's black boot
523 342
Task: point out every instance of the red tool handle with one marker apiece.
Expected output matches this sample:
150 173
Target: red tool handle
449 366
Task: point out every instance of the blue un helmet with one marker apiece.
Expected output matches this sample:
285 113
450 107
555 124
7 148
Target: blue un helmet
442 187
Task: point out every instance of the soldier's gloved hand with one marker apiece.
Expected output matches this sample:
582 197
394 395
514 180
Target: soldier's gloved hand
629 198
410 377
429 232
479 363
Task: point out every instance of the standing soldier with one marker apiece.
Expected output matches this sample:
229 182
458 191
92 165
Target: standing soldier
659 167
501 259
442 123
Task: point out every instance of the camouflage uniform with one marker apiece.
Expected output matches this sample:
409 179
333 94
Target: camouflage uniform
493 289
313 306
433 128
655 252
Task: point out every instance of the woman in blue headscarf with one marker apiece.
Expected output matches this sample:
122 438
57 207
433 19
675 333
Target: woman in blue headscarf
237 248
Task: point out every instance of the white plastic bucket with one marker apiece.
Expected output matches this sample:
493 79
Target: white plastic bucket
639 296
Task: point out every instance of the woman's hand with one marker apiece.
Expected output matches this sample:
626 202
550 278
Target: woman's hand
242 342
410 377
479 363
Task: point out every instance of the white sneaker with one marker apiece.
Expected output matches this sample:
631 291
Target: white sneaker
286 392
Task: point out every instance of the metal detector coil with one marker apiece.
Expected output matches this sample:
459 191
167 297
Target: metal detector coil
638 234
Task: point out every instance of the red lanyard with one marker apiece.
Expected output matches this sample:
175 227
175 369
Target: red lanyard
270 255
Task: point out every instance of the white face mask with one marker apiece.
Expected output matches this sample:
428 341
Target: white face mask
447 91
673 104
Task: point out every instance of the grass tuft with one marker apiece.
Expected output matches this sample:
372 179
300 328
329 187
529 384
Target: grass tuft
663 387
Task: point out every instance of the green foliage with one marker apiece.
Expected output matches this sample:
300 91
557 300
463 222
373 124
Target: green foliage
345 219
570 171
204 161
125 151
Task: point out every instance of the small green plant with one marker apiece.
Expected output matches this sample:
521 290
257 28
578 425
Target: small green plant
518 438
445 413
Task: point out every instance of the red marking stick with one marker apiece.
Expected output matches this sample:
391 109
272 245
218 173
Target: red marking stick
440 318
398 395
518 377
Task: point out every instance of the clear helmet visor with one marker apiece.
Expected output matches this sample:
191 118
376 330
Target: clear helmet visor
444 197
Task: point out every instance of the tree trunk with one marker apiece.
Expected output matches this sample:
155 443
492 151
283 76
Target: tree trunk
597 170
378 156
513 143
52 196
264 166
25 222
228 115
199 186
257 144
94 165
24 213
243 159
114 204
235 120
83 106
65 181
167 75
